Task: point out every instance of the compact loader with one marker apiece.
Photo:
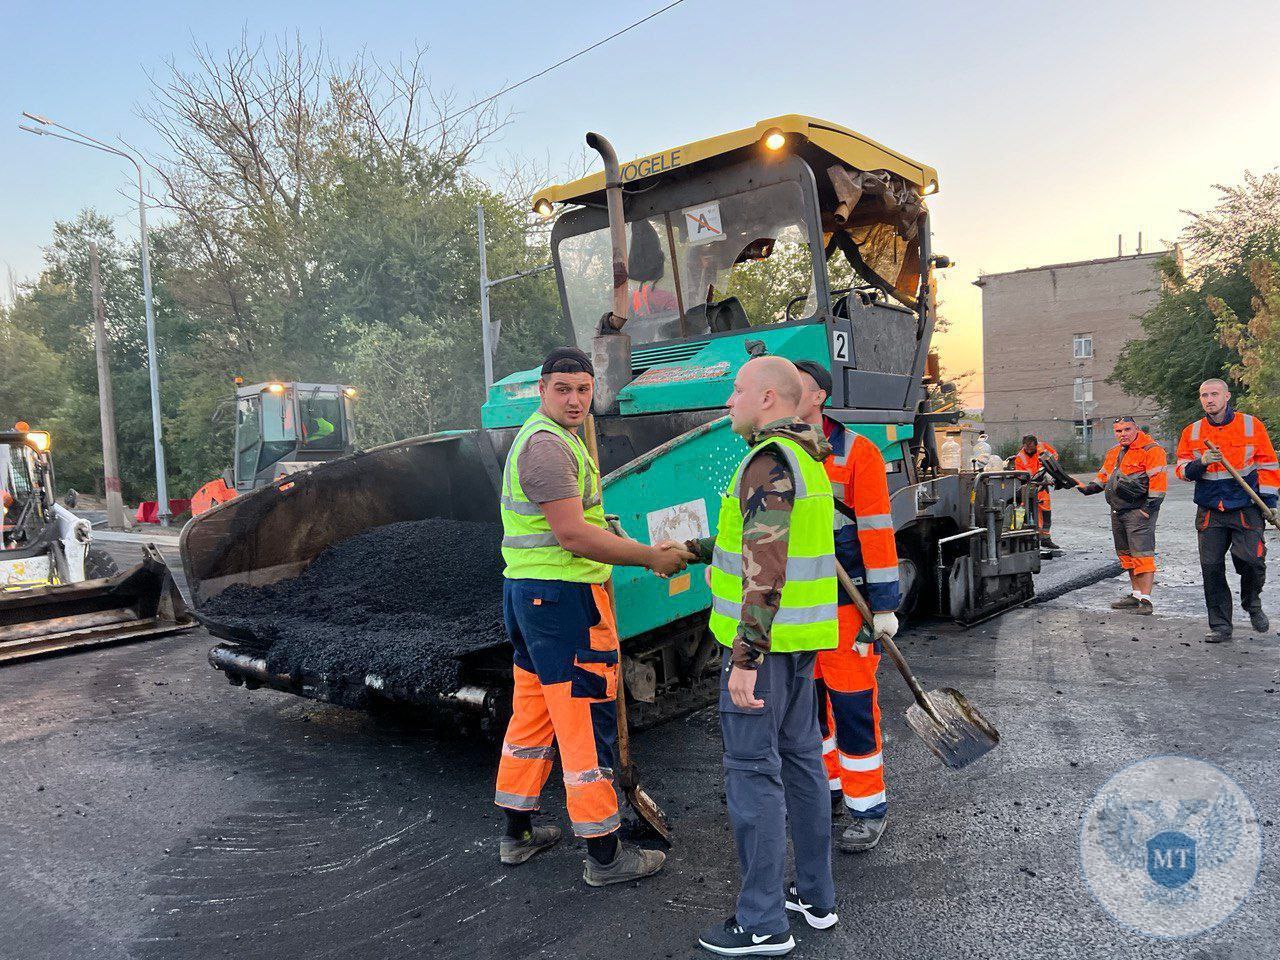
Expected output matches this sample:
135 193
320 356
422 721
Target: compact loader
57 590
281 427
795 237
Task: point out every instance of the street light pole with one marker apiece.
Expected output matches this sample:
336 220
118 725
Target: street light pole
162 485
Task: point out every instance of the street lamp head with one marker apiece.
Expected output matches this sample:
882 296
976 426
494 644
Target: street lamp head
36 130
37 118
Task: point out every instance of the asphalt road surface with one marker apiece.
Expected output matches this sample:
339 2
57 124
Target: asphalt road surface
154 811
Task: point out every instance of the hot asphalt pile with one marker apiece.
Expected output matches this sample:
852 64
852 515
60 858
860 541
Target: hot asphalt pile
402 601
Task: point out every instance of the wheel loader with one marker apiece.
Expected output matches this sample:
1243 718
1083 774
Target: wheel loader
796 237
281 427
57 590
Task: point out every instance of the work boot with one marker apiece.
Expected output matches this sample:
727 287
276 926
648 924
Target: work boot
1127 602
1217 636
1145 607
862 834
513 852
817 917
1047 543
631 863
729 940
1261 622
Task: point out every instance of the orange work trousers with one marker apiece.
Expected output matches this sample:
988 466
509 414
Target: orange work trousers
849 717
566 679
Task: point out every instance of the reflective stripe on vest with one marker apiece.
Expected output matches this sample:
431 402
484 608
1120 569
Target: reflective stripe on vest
806 618
530 549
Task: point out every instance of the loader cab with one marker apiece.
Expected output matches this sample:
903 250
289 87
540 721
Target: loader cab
26 487
285 426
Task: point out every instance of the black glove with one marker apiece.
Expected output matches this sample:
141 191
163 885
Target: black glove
1132 488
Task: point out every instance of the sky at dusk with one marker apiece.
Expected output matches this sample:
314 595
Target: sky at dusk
1053 127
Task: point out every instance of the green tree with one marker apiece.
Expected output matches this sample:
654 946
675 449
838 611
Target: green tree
1182 347
1256 341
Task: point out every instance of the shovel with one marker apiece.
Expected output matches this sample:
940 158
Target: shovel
645 806
1267 512
947 723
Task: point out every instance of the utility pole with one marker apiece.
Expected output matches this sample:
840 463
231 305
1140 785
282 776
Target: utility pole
162 483
486 332
488 335
106 402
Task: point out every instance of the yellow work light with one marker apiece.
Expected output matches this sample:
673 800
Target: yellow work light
542 208
774 139
275 388
39 439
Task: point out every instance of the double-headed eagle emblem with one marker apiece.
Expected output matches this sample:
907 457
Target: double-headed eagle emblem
1175 852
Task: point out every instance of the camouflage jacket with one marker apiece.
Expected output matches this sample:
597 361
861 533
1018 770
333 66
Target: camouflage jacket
768 498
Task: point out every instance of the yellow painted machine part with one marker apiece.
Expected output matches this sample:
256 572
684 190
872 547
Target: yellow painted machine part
843 144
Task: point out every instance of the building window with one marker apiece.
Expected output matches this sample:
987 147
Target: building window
1084 390
1085 430
1082 346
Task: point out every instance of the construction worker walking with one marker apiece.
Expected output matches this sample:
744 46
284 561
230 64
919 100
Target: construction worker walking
1134 475
848 697
773 589
1226 518
1028 458
558 617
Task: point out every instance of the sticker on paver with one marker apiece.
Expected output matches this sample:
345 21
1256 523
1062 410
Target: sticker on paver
703 224
684 521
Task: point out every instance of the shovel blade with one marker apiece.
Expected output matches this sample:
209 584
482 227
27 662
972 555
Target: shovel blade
650 814
952 728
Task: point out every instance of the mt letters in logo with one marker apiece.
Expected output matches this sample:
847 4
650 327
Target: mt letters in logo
1170 846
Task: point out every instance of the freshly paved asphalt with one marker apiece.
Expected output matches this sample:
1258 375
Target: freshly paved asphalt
153 811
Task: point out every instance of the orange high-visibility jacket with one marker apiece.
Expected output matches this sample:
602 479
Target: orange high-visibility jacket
1032 465
1144 455
1244 443
865 548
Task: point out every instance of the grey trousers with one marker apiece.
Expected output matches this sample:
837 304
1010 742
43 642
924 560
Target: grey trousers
773 775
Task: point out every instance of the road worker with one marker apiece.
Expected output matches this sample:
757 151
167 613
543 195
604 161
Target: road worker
848 698
1028 458
646 265
558 554
1135 478
773 590
1226 517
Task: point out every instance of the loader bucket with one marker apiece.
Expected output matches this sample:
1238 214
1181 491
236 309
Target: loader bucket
274 532
140 602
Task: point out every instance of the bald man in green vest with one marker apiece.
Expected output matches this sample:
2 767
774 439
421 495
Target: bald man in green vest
773 588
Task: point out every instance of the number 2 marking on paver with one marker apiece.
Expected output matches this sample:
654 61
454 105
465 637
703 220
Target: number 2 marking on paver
840 345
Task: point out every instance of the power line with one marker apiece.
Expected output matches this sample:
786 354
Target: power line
554 66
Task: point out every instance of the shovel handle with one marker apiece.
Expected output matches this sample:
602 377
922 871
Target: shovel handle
868 618
1267 512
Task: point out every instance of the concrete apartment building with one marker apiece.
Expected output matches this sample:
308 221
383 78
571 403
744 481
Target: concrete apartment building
1051 337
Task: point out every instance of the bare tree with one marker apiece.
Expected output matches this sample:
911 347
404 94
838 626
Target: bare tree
254 139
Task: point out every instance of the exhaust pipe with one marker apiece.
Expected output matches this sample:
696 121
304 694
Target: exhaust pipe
610 347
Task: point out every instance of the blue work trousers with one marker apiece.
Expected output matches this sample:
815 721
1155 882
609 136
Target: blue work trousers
773 775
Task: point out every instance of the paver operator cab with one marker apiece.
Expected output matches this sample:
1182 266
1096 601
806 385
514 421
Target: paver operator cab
795 237
802 238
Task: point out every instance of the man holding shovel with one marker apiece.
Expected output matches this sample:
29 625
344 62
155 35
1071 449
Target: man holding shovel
558 554
1228 455
773 589
1133 476
848 697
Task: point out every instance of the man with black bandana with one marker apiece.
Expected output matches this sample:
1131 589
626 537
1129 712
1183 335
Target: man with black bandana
559 555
